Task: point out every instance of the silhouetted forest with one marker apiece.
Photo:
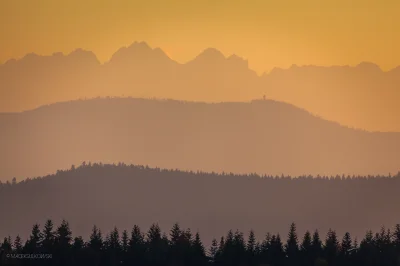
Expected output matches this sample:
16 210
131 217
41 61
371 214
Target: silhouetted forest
262 136
121 195
179 246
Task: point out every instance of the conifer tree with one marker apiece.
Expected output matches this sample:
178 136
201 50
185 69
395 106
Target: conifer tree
63 235
346 249
265 249
33 243
48 237
251 248
396 234
96 239
113 247
62 244
306 243
277 251
175 235
292 246
124 247
7 245
177 242
367 251
220 251
198 257
18 245
125 241
383 243
251 243
316 246
137 247
154 242
78 246
346 244
213 250
331 246
355 243
239 248
306 250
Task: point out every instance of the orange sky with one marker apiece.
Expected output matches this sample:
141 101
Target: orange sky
268 33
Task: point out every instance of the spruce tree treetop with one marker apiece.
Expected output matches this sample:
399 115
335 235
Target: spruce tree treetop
306 243
251 242
292 246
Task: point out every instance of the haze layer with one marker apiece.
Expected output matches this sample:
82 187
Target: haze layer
362 97
262 136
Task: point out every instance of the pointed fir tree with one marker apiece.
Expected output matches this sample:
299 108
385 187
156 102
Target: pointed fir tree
251 243
63 236
346 244
137 247
33 243
383 243
220 252
177 239
213 250
355 244
62 245
331 246
96 239
306 250
155 244
265 249
316 246
114 242
78 246
48 237
277 253
6 246
113 247
78 243
367 251
306 243
125 241
396 239
198 254
18 245
175 235
239 248
292 246
251 248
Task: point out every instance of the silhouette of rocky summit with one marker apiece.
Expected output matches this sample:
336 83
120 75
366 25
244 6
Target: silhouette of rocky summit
362 96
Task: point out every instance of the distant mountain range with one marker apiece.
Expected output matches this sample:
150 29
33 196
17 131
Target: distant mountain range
261 136
362 96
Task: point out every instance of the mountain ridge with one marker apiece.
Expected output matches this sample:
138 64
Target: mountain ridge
144 46
260 137
111 195
362 96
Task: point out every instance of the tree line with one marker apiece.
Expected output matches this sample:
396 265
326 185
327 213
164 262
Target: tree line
58 246
145 169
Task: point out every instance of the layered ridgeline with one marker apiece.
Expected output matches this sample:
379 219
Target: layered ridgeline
264 137
362 96
124 195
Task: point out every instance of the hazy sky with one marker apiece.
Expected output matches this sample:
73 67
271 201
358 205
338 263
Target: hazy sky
267 32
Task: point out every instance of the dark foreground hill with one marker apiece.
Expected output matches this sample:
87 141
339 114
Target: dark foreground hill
261 136
122 195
